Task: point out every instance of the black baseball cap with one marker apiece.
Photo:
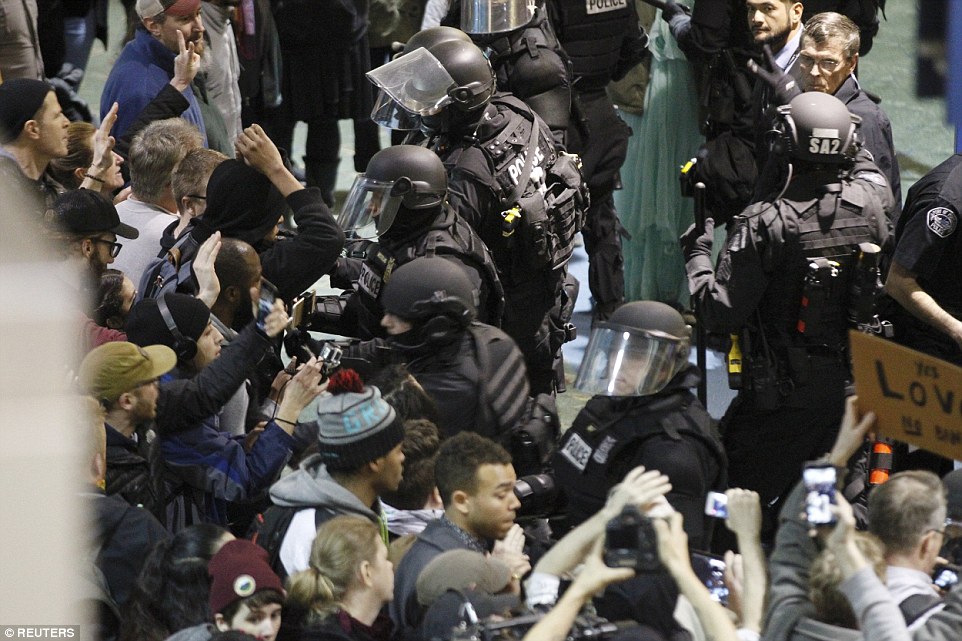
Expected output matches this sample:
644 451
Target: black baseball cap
82 211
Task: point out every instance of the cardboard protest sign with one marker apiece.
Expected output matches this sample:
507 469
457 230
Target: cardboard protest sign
917 398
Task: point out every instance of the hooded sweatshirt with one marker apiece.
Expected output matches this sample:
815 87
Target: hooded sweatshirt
312 488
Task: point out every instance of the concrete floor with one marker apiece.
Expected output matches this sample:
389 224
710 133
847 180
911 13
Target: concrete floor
921 137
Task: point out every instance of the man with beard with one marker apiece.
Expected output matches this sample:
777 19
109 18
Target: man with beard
146 63
777 24
124 379
238 270
85 225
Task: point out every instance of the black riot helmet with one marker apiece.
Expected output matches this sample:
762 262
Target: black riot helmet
443 88
432 292
818 128
433 36
636 352
402 176
470 70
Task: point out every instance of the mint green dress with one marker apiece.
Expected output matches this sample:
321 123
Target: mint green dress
650 205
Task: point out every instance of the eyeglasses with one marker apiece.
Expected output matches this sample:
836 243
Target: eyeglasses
951 529
114 247
827 65
196 196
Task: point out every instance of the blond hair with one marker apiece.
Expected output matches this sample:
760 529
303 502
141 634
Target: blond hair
342 544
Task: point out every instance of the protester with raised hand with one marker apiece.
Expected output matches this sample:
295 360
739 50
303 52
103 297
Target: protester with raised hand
640 488
594 577
170 101
674 555
791 613
746 574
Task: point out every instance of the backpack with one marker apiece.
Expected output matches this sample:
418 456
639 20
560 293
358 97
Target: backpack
528 427
172 272
917 605
270 527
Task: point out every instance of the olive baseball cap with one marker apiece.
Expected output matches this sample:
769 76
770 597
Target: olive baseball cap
114 368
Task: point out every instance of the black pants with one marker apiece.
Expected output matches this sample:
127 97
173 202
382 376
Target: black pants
525 319
767 448
323 147
602 141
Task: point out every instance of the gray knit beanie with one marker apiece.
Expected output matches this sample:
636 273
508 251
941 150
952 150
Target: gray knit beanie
354 428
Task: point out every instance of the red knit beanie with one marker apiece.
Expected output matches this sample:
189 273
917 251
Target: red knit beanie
239 570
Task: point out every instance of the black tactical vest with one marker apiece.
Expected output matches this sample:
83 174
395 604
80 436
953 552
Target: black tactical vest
449 236
826 227
591 32
552 203
600 447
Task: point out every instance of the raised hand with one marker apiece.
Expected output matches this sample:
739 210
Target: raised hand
186 64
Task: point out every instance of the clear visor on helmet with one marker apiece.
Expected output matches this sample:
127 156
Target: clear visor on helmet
495 16
369 209
388 113
621 361
416 81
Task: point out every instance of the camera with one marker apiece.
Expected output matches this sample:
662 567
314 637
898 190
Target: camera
631 542
716 504
330 357
540 497
820 480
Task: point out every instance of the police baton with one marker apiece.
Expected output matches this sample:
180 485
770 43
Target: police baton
700 355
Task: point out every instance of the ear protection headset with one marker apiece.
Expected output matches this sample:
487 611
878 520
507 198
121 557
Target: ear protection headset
184 347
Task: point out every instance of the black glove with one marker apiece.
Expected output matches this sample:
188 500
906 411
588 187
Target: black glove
696 241
672 9
785 86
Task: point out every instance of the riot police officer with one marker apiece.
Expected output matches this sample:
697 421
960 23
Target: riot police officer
525 53
604 41
924 275
781 288
718 41
473 371
642 412
402 197
525 199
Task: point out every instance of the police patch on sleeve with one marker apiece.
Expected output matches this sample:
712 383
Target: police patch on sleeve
942 221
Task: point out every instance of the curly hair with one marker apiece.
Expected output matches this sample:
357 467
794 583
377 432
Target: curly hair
459 460
110 300
173 588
